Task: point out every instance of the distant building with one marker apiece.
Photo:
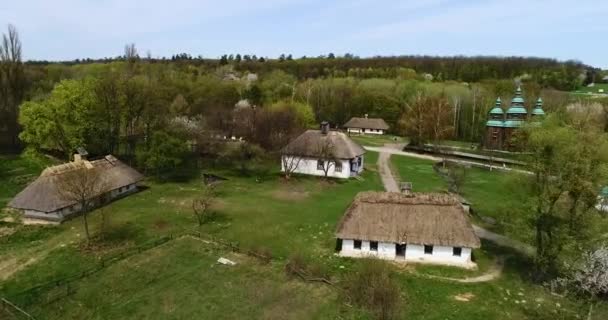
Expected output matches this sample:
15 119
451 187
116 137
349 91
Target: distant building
501 126
315 151
366 125
415 227
42 198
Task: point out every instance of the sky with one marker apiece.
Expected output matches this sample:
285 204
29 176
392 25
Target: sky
70 29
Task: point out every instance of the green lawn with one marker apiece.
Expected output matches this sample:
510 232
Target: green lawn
595 89
419 172
377 140
180 279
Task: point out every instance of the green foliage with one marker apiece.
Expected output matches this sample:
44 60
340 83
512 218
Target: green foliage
569 166
305 117
374 287
64 121
164 155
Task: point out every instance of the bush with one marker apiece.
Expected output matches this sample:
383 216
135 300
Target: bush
373 288
302 267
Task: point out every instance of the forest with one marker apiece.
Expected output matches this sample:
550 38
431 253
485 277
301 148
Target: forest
113 105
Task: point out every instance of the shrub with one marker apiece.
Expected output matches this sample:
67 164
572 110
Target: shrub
305 268
372 287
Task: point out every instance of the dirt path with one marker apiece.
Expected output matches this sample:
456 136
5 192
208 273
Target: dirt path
390 184
493 273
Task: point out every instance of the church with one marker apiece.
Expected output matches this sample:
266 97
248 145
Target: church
501 126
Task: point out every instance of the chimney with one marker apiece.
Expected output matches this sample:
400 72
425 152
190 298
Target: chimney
324 127
366 116
406 188
81 154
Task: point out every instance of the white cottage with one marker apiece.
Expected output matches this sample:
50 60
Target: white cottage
366 125
417 227
317 152
42 198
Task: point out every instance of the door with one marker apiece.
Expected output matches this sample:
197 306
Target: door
400 250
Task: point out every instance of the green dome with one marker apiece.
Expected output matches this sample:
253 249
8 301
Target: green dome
513 123
497 108
604 192
538 109
495 123
517 104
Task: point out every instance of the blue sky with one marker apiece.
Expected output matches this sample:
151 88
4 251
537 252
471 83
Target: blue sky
69 29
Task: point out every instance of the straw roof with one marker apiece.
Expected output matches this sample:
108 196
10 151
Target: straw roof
44 195
366 123
312 142
431 219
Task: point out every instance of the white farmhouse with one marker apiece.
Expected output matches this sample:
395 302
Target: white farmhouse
417 227
42 199
366 125
323 153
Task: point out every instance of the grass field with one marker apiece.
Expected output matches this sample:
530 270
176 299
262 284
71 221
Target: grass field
377 140
419 172
180 279
595 89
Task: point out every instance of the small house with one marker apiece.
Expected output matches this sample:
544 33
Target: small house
410 227
366 125
42 199
323 153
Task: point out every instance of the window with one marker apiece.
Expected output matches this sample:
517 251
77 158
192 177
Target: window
373 245
338 166
358 244
428 249
320 165
457 251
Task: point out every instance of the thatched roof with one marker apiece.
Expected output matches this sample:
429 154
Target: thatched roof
44 195
424 218
366 123
312 143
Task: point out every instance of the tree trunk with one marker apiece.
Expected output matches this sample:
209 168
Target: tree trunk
86 227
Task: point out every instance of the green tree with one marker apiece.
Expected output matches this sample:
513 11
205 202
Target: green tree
164 154
62 122
568 168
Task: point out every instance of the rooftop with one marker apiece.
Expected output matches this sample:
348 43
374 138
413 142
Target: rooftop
422 218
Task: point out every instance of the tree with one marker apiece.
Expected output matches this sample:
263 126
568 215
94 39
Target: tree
243 155
62 122
201 205
568 168
325 155
427 119
13 84
164 154
82 186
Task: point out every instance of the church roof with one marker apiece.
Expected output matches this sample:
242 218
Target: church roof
497 108
517 104
538 109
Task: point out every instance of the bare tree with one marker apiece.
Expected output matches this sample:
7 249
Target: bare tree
84 187
291 163
201 206
12 82
325 154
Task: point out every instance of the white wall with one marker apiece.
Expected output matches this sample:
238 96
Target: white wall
413 253
365 131
309 166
